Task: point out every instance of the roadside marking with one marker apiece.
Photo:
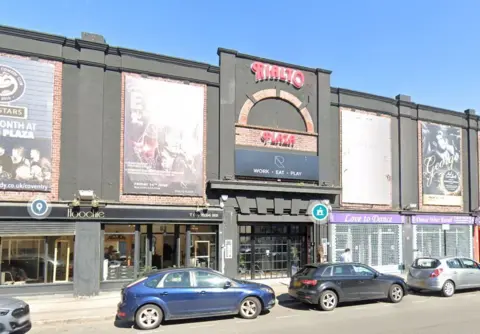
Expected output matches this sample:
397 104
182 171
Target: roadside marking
201 326
245 321
288 316
420 301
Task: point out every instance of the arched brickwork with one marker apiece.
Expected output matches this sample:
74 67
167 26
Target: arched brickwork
272 94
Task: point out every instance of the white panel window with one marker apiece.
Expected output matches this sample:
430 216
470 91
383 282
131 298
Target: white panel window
366 158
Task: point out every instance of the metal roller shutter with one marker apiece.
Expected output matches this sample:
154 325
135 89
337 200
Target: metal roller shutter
36 228
379 246
429 240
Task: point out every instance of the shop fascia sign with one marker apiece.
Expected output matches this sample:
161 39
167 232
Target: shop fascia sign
277 138
265 71
80 214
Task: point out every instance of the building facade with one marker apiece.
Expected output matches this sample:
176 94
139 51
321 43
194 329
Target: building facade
115 162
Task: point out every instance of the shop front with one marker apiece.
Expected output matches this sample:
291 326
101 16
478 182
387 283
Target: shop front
442 235
375 239
85 250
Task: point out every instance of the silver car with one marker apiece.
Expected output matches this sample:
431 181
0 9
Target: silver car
14 316
445 275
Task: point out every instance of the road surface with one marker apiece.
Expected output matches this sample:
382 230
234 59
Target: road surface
414 315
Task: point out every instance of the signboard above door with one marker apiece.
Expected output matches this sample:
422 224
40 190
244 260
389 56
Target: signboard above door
276 165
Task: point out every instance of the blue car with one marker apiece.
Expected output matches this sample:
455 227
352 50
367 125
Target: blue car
185 293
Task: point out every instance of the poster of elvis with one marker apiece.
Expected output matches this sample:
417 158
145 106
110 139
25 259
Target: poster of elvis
441 164
26 106
163 138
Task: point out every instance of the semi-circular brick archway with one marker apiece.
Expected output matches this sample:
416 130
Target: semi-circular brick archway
272 94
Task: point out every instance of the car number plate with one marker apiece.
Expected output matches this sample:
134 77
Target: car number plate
297 284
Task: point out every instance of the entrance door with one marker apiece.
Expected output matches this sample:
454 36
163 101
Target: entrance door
61 261
202 253
271 250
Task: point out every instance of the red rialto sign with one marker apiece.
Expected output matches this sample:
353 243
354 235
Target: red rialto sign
277 138
273 72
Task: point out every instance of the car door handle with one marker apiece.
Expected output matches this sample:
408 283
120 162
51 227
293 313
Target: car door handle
164 294
455 272
361 281
202 292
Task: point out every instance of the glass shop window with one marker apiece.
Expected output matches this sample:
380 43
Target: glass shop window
36 260
119 249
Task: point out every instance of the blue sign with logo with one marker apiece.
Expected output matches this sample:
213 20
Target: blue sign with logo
276 165
320 211
39 208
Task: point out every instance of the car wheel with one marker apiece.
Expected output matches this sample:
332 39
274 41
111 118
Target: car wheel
395 293
250 308
448 289
148 317
328 300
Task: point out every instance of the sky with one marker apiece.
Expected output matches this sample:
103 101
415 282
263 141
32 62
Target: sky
428 49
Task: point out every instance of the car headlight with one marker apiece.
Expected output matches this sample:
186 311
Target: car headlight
4 312
268 290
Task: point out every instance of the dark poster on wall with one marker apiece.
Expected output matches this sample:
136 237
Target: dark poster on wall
441 164
163 137
26 117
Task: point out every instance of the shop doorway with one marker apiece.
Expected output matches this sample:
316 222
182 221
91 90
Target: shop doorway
61 261
437 241
376 245
271 251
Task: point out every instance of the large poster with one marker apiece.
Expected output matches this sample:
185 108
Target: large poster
164 130
441 164
26 111
366 153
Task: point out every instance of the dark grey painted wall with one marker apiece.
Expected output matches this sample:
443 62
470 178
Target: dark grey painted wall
87 259
91 108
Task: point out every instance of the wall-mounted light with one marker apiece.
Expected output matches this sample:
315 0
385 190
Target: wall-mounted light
75 203
411 206
222 200
95 203
86 195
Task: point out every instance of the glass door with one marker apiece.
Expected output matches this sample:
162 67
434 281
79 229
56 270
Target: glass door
203 250
61 261
202 253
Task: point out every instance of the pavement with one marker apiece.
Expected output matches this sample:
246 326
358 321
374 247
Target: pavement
65 309
416 314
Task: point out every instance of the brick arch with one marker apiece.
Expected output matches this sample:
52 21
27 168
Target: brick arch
272 94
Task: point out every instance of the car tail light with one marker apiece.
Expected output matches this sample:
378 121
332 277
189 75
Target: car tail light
436 273
310 282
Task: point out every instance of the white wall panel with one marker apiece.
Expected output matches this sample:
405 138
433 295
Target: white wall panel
366 143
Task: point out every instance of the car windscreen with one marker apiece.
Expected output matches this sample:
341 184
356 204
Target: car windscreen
425 263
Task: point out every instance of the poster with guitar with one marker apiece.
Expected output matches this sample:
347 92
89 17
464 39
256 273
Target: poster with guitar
163 137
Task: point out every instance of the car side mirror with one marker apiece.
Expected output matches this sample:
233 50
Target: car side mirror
375 275
227 285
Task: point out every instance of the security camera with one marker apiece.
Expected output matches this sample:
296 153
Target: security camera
224 198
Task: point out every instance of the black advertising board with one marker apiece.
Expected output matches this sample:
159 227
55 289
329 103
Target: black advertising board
117 213
276 165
